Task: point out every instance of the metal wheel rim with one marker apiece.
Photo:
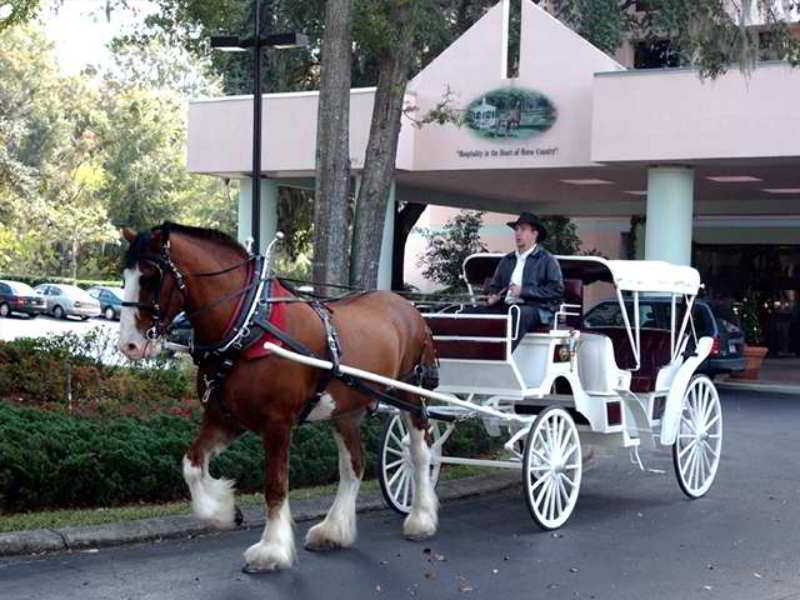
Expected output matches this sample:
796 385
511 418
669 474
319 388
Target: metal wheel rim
4 310
697 448
58 312
552 468
109 314
396 467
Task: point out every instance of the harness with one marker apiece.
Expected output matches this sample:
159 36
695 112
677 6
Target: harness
253 320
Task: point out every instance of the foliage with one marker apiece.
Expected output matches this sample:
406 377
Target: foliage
448 248
749 316
562 236
80 153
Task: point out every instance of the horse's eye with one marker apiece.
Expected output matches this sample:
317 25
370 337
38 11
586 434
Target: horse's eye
148 281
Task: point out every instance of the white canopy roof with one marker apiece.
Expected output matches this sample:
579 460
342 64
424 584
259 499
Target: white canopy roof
627 275
638 275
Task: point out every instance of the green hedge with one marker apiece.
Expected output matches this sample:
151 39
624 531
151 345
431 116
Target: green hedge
52 460
34 280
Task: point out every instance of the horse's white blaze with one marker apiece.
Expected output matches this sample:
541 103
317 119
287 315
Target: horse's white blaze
423 519
131 341
323 409
276 548
339 527
212 499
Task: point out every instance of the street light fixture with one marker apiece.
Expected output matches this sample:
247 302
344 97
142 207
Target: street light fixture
232 43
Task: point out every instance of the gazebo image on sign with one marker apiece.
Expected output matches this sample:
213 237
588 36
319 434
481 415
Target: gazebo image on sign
510 113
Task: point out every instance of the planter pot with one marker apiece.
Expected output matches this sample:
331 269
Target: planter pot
753 357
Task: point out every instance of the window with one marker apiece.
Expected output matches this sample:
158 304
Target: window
655 54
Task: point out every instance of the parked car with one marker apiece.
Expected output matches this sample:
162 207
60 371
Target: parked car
64 300
18 297
110 299
181 332
727 351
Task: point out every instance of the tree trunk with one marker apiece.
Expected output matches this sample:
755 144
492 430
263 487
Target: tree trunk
404 222
381 150
331 240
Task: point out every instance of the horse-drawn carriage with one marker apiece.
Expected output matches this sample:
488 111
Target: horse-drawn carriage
568 385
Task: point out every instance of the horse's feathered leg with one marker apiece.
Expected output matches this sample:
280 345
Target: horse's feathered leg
422 521
338 530
276 549
212 499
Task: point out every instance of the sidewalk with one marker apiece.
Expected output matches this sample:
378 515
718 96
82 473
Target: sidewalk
145 530
779 375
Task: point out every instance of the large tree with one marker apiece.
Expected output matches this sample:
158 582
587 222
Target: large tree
331 261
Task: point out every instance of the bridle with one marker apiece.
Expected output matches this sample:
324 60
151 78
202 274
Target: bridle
164 265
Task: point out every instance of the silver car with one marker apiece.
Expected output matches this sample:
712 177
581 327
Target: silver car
63 300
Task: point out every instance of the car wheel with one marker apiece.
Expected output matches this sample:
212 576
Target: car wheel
4 310
109 313
84 318
33 315
59 313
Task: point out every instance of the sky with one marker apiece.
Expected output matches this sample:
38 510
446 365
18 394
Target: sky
81 31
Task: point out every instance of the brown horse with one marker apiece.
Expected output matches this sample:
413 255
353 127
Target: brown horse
172 268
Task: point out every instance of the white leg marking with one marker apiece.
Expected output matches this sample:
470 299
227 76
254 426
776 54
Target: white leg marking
212 499
276 548
338 530
323 409
423 519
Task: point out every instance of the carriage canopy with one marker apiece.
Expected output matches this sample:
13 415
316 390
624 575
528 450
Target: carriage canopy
626 275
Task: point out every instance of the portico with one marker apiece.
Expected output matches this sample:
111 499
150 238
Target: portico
575 133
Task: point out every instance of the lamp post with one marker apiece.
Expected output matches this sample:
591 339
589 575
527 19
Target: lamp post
257 42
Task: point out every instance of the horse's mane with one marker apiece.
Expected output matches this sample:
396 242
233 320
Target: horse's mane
141 243
205 234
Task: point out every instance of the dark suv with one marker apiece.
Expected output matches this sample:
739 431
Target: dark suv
654 313
17 297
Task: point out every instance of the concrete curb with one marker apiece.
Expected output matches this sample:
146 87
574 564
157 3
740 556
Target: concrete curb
40 541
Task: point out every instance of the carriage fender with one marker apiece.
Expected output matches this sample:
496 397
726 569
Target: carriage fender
672 410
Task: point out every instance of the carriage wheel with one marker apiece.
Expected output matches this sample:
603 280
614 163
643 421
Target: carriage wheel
696 451
551 472
395 467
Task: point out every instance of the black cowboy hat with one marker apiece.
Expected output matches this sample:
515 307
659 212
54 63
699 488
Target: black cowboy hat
532 220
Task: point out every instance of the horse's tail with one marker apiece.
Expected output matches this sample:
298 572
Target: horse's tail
428 367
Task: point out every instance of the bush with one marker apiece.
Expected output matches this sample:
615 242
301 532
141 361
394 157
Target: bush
34 280
53 460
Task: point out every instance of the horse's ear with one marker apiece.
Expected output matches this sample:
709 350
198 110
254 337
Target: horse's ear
128 234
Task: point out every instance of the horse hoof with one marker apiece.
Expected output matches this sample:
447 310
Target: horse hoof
250 570
322 546
238 517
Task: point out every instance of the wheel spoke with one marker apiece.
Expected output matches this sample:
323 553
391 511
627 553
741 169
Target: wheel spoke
394 477
710 449
406 485
688 447
538 483
397 440
569 481
393 464
543 495
394 451
559 500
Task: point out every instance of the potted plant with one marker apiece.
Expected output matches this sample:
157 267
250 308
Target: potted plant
754 348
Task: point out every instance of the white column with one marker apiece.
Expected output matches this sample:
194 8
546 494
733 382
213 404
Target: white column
268 222
387 244
670 205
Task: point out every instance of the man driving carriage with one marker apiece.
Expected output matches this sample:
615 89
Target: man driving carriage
529 277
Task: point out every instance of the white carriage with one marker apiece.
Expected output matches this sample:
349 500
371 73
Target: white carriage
610 387
613 387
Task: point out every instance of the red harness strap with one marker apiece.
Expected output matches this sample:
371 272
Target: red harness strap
277 318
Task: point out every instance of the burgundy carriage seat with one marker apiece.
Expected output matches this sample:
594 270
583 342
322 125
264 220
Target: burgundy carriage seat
573 295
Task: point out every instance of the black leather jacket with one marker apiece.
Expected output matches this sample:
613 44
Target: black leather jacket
542 282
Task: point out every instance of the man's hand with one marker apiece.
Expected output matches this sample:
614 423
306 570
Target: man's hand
515 290
492 299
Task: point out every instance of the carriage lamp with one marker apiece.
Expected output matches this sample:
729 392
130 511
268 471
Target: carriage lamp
232 43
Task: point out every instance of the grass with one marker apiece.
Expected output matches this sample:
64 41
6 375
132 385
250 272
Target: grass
57 519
